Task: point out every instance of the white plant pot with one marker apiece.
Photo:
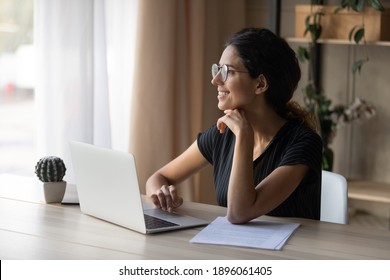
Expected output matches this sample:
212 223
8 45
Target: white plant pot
54 191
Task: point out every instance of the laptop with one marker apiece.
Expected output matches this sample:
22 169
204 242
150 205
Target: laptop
107 186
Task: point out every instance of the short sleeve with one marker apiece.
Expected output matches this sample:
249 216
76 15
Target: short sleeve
304 148
206 141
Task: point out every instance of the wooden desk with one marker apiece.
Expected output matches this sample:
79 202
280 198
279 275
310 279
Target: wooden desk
34 230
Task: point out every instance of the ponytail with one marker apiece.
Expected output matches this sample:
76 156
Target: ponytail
293 111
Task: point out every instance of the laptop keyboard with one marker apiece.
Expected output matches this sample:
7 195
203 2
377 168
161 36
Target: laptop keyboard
153 222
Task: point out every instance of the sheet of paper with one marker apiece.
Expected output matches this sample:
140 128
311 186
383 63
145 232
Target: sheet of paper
255 234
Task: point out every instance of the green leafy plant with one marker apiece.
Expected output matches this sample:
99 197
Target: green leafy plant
50 169
357 33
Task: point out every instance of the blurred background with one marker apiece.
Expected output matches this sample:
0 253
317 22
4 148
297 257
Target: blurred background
17 149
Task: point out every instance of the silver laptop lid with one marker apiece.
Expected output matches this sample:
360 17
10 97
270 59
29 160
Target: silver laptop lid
107 185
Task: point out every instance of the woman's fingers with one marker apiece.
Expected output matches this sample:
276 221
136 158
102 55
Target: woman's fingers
164 196
155 200
222 122
176 199
235 120
221 126
167 198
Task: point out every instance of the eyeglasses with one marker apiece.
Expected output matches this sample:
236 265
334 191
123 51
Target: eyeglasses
224 70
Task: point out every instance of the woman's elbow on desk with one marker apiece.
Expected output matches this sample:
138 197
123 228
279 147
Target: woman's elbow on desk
240 216
236 220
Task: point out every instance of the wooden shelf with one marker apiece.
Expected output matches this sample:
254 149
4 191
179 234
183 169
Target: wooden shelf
336 42
369 191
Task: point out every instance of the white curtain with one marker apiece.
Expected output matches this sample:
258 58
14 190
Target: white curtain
83 74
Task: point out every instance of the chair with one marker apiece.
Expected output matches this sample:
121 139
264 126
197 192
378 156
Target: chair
334 198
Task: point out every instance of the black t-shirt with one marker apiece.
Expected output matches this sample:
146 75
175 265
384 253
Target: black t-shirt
293 144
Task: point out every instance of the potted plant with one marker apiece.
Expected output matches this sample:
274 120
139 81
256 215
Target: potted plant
358 32
358 21
51 171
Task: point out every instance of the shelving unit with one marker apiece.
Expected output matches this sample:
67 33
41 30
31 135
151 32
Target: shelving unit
370 192
366 191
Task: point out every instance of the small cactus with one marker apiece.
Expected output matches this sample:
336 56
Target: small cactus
50 169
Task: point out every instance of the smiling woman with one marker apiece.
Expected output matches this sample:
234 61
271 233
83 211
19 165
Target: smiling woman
265 153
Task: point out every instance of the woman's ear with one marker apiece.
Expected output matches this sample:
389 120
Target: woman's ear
262 84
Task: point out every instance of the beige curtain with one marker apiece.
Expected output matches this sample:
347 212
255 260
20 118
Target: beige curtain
173 99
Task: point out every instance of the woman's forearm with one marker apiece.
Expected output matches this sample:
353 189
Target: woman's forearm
241 193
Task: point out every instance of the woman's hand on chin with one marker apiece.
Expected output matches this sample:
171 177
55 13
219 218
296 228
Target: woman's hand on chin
234 119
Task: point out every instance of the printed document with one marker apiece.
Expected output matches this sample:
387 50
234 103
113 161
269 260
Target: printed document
254 234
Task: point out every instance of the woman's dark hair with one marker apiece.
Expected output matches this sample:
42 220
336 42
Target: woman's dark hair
265 53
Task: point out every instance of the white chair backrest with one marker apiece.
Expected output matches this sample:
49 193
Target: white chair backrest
334 198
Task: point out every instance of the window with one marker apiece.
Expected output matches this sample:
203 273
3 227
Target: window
17 154
21 107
